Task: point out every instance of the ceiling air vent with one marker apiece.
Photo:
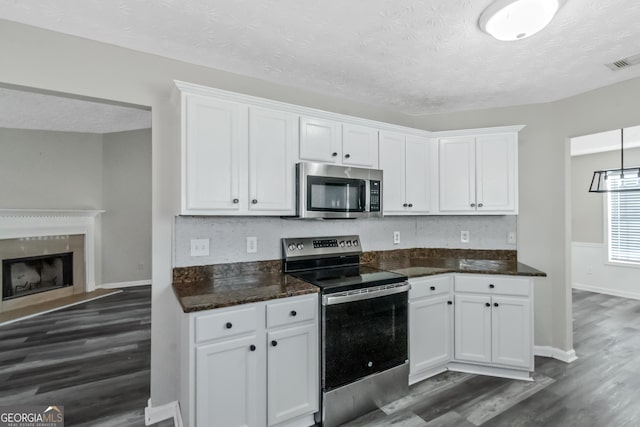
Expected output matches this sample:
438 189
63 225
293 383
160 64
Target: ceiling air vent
624 63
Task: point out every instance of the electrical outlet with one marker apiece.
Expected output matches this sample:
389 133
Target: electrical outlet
511 237
252 245
140 266
396 237
464 236
199 247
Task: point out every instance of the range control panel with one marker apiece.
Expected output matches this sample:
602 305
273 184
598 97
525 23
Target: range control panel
320 246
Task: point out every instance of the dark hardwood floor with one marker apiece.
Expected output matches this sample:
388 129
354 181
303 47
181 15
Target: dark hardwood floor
600 389
92 358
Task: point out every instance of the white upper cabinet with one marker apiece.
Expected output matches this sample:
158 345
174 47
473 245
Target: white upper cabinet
320 140
329 141
214 150
273 152
405 161
479 174
359 146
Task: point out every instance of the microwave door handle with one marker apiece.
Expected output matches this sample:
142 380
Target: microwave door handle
366 196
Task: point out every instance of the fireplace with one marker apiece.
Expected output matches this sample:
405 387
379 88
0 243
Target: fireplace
35 274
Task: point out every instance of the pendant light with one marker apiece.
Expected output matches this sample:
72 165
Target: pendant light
616 180
509 20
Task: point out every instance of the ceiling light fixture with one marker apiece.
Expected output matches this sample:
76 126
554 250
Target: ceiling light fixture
616 180
509 20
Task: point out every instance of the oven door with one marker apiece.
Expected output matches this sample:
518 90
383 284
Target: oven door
363 334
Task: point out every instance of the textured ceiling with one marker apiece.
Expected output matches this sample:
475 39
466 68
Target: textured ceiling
411 56
30 110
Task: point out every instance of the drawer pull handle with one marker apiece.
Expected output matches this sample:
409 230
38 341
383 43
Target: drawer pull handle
491 286
487 304
228 325
254 201
236 201
334 154
274 343
450 302
495 304
433 288
480 205
410 205
252 347
294 313
346 156
473 205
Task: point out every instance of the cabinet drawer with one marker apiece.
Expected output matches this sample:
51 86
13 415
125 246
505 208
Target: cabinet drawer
425 287
287 312
226 324
492 285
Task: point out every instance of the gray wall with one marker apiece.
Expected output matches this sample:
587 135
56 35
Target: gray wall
587 210
228 235
50 170
126 224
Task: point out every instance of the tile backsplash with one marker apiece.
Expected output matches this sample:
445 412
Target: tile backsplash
227 235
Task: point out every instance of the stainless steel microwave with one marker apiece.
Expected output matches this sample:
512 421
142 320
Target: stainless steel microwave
333 191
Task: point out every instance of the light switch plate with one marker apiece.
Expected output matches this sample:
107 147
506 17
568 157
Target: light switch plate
199 247
511 237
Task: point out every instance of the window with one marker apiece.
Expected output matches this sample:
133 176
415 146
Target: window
623 211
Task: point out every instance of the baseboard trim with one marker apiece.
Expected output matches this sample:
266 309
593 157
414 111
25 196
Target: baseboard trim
155 414
119 285
606 291
562 355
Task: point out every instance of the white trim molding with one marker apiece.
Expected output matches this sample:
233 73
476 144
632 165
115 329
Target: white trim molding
566 356
119 285
171 410
18 223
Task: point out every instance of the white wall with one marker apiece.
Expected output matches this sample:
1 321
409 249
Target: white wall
228 235
126 224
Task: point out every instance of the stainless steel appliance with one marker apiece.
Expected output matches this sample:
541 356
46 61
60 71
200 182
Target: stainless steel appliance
333 191
364 323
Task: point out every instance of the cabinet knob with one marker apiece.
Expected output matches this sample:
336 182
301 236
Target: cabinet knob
404 205
254 201
294 313
450 302
495 304
236 201
252 347
487 304
334 154
228 325
473 205
491 286
433 288
480 205
274 343
346 156
410 205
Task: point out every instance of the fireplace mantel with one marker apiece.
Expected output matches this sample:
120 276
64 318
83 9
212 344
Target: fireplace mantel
23 223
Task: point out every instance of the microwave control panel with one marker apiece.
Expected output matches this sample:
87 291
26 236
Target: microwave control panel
374 196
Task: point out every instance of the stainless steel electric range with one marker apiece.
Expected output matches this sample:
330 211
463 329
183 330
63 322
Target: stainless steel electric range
364 325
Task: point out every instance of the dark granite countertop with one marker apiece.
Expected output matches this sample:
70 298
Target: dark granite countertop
419 267
201 288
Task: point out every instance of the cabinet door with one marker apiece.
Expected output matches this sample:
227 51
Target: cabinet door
512 337
214 155
360 146
496 177
292 373
457 174
472 328
320 140
227 386
273 152
430 321
392 158
418 184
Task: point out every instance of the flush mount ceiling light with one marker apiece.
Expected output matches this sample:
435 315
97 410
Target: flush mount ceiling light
616 180
509 20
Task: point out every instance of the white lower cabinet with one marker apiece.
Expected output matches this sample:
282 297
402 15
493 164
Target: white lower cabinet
489 319
260 369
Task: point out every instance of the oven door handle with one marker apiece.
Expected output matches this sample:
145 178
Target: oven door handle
376 293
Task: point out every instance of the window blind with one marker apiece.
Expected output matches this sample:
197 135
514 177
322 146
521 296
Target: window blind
624 221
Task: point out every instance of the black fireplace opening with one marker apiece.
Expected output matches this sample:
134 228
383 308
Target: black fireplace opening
31 275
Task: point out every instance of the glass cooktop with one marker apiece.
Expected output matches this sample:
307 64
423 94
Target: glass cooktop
345 278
